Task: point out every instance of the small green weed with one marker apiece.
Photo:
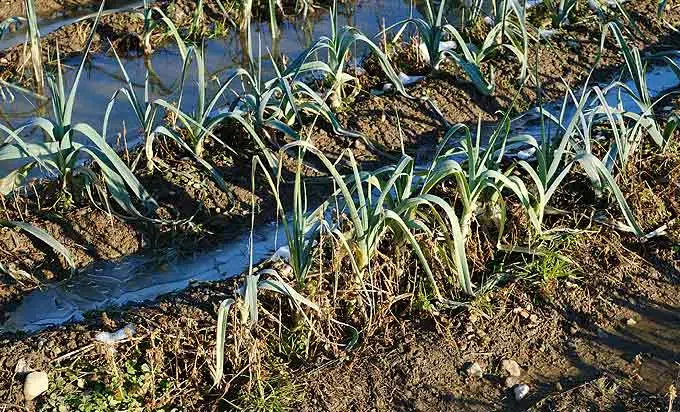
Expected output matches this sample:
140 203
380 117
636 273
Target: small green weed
130 389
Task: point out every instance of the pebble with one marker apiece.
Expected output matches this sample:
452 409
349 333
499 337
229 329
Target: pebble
631 322
475 370
511 367
36 384
558 387
521 391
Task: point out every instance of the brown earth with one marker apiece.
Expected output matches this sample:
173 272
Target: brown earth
43 8
598 332
188 196
575 331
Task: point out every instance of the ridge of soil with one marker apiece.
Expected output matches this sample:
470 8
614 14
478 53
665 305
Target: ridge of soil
567 325
599 333
209 215
43 8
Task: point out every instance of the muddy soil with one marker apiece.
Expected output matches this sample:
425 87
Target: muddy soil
209 215
568 327
43 8
599 332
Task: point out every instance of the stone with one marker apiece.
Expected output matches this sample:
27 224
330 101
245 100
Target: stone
521 391
511 367
631 322
474 370
558 387
36 384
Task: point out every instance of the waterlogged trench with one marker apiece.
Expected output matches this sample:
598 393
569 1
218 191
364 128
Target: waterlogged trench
102 76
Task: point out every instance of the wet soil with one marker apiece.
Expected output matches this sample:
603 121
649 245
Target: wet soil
208 215
597 332
573 329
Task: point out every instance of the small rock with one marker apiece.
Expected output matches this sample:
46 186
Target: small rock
36 384
475 370
511 381
521 391
631 322
511 367
558 387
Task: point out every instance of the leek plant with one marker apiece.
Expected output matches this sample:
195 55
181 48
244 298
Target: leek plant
300 226
561 11
247 294
60 153
382 201
200 123
478 178
34 39
144 109
432 30
280 102
338 47
552 164
576 142
644 122
146 112
151 24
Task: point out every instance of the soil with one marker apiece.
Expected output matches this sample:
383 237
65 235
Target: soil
187 195
573 329
43 8
599 333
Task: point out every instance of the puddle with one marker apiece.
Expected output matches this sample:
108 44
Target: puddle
135 279
68 16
